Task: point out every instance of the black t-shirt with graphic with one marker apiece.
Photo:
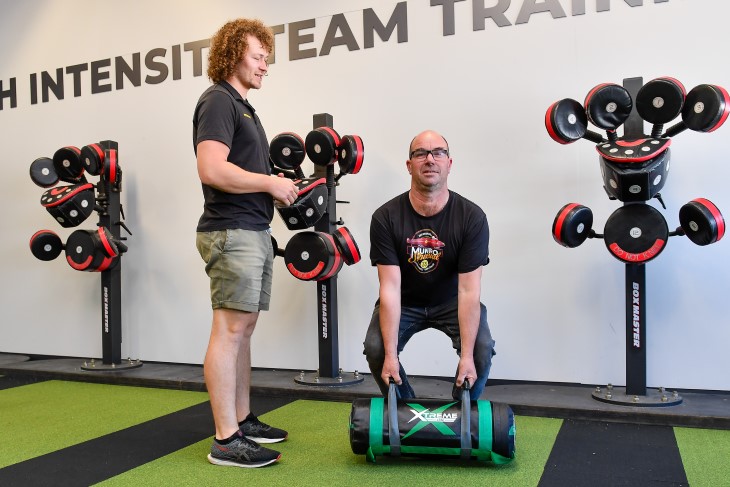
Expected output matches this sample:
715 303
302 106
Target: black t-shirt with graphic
222 115
430 251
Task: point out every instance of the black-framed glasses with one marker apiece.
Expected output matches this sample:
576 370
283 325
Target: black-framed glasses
437 153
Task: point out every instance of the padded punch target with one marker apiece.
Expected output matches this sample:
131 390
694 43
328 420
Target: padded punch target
347 246
111 171
702 221
566 121
45 245
309 207
572 225
322 145
351 154
92 158
608 105
43 173
69 205
660 100
706 108
91 250
286 151
311 255
636 233
68 165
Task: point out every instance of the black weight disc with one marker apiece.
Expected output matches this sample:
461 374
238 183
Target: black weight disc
636 233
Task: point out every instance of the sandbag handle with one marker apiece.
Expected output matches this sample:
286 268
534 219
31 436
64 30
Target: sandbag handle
393 430
465 421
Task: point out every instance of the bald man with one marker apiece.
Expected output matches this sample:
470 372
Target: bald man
429 245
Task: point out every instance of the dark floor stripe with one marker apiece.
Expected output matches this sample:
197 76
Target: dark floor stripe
9 382
600 454
102 458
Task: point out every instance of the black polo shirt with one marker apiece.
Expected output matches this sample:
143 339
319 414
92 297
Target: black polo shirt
221 114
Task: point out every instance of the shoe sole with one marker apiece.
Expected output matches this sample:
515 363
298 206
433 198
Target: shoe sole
229 463
265 440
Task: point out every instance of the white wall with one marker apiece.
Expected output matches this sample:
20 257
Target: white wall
556 314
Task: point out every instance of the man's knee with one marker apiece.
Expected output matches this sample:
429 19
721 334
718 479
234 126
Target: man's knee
373 348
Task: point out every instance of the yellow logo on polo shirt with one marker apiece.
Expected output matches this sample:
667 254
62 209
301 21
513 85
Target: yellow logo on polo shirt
247 115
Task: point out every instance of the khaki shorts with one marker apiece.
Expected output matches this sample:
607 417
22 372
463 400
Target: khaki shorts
240 266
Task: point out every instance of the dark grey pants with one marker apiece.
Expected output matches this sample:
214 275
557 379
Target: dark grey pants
443 317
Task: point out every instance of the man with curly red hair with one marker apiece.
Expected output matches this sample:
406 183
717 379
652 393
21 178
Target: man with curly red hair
233 234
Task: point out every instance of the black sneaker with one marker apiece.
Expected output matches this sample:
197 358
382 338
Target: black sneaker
241 452
260 432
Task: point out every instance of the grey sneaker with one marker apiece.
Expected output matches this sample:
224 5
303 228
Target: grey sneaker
260 432
241 452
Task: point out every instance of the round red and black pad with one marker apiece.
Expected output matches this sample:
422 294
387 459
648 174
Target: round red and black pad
67 163
660 100
701 221
706 108
309 255
286 151
106 242
566 121
45 245
111 167
337 262
92 158
636 233
321 145
43 173
608 105
572 225
84 252
352 153
347 246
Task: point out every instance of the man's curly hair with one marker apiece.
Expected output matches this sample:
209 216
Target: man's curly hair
229 44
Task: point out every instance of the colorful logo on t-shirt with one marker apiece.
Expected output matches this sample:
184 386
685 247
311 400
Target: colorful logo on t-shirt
424 250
